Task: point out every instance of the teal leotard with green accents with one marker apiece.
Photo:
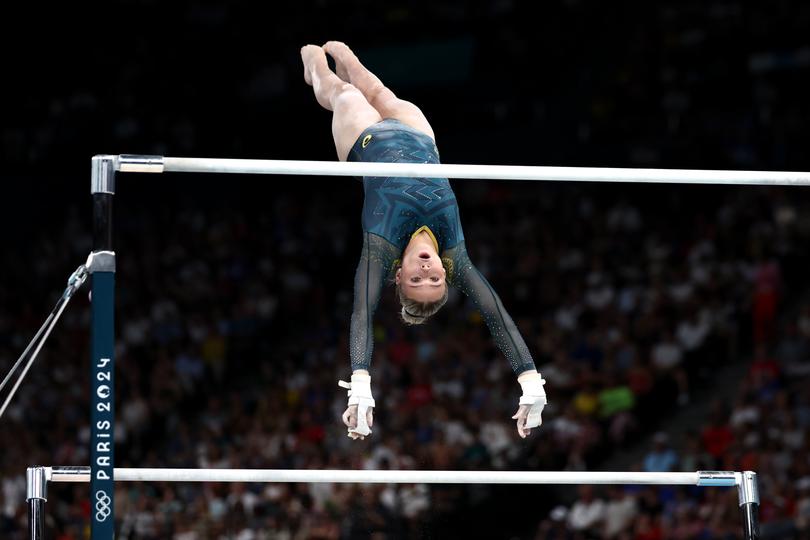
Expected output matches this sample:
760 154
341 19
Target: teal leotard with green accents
395 208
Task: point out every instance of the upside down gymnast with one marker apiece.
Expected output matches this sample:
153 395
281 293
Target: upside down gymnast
411 229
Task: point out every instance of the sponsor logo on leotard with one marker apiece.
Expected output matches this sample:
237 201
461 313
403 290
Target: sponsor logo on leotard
366 140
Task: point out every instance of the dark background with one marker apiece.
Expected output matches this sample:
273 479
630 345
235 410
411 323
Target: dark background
709 84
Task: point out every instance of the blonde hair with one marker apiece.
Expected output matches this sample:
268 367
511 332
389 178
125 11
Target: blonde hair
415 312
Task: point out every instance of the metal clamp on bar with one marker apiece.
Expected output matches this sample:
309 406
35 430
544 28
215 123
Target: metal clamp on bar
36 483
748 491
69 474
140 164
718 478
102 176
77 279
101 261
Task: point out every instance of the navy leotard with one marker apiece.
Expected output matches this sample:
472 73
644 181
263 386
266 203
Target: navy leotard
396 208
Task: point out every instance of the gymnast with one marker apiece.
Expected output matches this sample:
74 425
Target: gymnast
411 229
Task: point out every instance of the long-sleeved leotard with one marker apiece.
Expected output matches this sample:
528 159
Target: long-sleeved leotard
394 210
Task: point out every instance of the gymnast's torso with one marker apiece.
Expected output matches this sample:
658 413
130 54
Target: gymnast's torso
397 208
393 211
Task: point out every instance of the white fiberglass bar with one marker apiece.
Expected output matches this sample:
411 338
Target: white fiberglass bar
707 478
128 163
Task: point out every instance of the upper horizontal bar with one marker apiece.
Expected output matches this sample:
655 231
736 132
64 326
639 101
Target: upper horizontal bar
132 163
82 474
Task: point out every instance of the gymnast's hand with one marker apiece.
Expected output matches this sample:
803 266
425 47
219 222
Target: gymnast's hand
350 419
359 415
531 404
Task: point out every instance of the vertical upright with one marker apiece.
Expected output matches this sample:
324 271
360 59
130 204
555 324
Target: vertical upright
36 493
102 381
748 492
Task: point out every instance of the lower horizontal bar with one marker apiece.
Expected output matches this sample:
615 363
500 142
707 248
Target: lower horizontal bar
482 172
82 474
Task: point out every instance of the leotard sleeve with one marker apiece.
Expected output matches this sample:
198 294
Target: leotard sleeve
376 261
466 277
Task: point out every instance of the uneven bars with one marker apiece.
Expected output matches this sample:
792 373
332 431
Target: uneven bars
700 478
158 164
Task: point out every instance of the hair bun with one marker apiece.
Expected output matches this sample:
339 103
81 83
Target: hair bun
410 319
414 312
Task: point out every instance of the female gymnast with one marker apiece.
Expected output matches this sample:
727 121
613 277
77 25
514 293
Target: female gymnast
411 229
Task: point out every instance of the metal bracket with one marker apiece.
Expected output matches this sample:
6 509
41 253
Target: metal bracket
140 164
36 483
101 261
102 174
718 478
747 488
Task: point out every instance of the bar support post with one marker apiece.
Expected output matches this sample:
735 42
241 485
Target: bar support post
102 372
749 504
36 494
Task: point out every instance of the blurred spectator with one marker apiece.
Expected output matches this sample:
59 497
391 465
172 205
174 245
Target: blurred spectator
661 458
587 512
767 288
620 512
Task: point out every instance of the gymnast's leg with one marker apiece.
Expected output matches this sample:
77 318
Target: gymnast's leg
351 111
376 93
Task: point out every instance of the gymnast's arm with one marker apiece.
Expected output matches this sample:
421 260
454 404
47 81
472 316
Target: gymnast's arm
505 334
376 260
465 276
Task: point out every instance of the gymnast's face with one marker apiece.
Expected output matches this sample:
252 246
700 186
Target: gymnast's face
422 276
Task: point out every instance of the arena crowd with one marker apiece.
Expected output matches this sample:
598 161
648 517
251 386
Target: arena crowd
232 336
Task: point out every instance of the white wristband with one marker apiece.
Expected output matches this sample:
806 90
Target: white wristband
360 395
534 395
532 385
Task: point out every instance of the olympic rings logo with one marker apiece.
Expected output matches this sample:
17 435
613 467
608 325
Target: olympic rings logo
103 509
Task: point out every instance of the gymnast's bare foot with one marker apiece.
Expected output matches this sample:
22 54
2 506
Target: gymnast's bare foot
311 56
343 57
